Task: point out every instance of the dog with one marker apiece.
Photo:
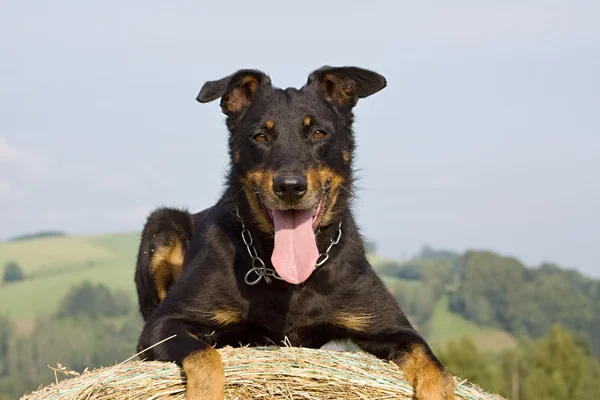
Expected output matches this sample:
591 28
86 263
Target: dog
279 255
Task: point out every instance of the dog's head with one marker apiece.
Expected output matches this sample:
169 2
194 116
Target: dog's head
292 151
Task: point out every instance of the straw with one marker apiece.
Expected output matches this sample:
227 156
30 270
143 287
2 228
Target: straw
253 373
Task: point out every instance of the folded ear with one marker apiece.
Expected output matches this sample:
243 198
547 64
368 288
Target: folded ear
345 85
236 90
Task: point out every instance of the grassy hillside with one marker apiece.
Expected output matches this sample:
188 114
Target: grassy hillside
446 325
52 265
42 255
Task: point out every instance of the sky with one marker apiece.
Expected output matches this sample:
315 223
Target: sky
486 137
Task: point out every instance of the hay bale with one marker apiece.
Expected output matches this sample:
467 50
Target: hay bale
254 373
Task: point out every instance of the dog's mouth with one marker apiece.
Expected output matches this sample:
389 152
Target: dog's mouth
295 251
317 213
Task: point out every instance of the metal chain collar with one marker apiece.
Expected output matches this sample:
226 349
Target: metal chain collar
258 265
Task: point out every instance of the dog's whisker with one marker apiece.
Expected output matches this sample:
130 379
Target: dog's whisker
239 191
346 189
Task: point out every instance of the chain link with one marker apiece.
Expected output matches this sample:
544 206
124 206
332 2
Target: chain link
260 270
332 242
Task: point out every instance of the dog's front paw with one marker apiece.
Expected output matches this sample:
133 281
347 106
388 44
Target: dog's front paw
205 375
429 379
434 386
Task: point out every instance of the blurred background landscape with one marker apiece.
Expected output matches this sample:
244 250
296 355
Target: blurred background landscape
478 169
516 330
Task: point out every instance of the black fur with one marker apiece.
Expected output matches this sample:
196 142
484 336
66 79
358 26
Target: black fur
162 225
216 259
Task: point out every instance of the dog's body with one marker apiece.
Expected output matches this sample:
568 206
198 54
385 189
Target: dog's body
242 271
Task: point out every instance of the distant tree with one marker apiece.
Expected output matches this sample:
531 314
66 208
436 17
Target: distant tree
462 358
389 268
410 271
13 273
429 253
94 301
558 369
554 367
76 343
594 331
6 334
499 291
122 303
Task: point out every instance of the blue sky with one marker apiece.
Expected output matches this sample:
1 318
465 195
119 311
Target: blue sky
487 136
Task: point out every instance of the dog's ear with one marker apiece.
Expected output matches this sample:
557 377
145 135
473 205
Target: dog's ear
343 86
236 90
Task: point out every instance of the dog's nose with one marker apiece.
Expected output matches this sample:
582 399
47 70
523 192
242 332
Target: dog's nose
290 187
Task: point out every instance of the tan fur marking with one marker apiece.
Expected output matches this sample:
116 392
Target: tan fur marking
317 177
428 380
237 100
345 156
236 157
241 96
251 83
167 265
226 317
263 179
307 120
269 124
205 375
337 90
353 321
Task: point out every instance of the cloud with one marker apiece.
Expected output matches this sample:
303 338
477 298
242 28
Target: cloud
21 160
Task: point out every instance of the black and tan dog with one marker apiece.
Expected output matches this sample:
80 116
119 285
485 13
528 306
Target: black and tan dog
279 255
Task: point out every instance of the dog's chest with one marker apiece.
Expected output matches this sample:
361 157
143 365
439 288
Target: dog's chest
297 310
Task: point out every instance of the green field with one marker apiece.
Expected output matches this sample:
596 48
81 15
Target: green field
52 265
446 325
39 255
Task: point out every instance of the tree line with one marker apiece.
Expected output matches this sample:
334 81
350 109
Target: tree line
92 327
499 291
557 366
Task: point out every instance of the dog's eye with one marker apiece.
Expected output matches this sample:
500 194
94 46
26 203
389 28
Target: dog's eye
259 137
319 134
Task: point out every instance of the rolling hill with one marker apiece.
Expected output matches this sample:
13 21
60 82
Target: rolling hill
53 264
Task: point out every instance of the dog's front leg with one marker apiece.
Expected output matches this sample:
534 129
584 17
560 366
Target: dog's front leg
201 363
372 319
412 354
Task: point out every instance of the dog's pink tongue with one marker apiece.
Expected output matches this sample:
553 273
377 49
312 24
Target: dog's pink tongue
295 253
